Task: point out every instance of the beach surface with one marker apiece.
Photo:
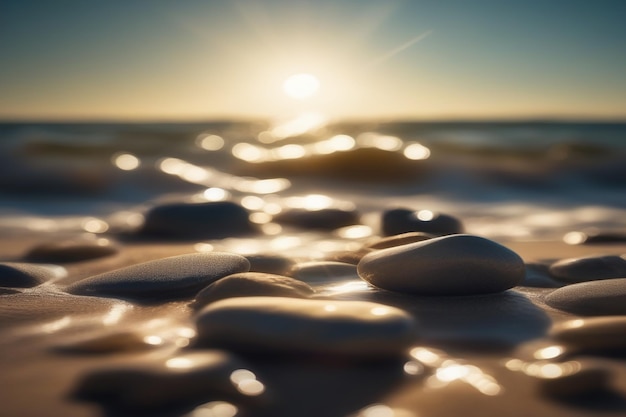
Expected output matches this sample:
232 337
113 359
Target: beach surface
336 274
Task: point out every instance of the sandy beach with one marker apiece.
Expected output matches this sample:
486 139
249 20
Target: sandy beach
345 273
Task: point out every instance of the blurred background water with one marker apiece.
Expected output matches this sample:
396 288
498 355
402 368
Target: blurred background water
523 180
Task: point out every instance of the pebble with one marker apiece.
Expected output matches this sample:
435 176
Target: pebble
402 220
399 239
316 272
175 277
538 276
104 343
589 268
210 220
348 257
290 325
324 219
247 284
592 334
595 298
594 236
449 265
25 275
55 309
571 379
270 264
72 250
178 380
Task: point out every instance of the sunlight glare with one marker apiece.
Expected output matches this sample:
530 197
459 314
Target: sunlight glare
301 86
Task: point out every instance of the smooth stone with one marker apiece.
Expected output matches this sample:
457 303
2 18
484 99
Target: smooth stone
179 380
248 284
401 220
356 329
315 272
538 276
594 236
210 220
399 239
595 298
324 219
572 379
72 250
270 264
449 265
589 268
34 307
594 333
175 277
25 275
348 257
104 342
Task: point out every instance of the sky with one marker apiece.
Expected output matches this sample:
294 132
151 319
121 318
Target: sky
398 59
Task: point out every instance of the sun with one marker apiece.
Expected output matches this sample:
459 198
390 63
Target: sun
301 86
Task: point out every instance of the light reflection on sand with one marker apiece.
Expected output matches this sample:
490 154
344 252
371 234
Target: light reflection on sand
447 370
214 409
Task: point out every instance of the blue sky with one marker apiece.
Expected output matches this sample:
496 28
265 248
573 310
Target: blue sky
188 59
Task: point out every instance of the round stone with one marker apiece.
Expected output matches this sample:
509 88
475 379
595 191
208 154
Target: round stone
594 236
538 276
291 325
399 239
178 380
324 219
449 265
589 268
595 298
210 220
168 278
402 220
25 275
316 272
348 257
71 250
56 310
247 284
571 379
592 334
270 264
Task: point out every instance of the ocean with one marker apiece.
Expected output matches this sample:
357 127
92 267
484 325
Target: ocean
507 180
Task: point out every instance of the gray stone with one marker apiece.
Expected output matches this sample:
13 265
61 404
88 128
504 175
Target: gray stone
592 334
270 264
572 379
46 307
210 220
175 277
399 239
589 268
402 220
356 329
247 284
179 380
71 250
449 265
595 298
317 272
538 276
324 219
25 275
